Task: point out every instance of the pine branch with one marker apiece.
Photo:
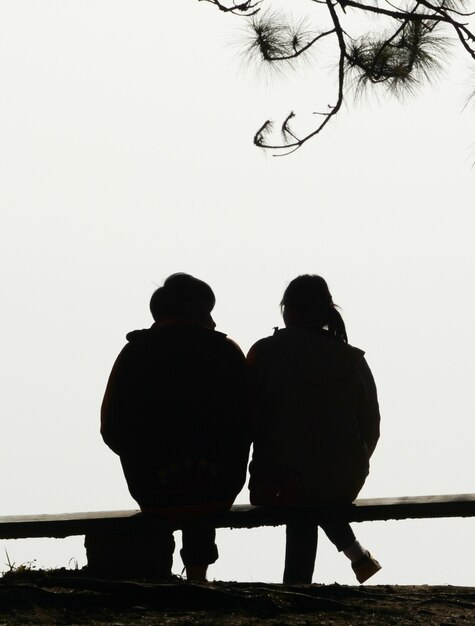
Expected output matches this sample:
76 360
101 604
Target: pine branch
410 53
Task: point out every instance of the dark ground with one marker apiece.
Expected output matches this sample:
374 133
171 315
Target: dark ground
71 597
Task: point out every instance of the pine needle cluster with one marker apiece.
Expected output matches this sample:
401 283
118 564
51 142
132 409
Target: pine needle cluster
403 61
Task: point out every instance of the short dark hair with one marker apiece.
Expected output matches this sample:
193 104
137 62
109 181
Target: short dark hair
179 292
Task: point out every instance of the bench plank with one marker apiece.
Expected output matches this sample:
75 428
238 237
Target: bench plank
240 516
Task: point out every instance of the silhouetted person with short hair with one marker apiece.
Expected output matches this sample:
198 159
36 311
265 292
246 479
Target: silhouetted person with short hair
317 423
176 411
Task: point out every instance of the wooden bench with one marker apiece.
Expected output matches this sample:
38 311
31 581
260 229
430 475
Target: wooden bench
240 516
109 534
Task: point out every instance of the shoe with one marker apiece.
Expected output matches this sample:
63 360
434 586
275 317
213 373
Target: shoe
365 567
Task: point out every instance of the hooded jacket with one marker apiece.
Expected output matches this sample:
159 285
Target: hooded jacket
316 419
176 411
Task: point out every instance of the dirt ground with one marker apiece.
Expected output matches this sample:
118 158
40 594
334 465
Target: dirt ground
71 597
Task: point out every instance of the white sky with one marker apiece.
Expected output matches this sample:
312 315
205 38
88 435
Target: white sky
126 155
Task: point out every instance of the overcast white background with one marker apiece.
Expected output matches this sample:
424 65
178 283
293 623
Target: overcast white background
126 155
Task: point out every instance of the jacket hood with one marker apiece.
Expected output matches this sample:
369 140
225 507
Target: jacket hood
138 335
315 356
158 331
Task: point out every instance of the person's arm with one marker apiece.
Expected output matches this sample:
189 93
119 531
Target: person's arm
235 398
368 408
254 358
113 406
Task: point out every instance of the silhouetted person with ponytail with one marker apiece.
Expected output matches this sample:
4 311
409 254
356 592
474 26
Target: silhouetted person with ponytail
316 423
176 410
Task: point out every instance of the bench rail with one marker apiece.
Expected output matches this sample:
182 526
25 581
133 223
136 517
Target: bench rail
240 516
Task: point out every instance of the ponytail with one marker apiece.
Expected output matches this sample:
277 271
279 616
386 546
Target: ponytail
336 325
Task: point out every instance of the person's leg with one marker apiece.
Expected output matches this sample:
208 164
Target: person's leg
199 550
342 536
300 552
133 555
155 554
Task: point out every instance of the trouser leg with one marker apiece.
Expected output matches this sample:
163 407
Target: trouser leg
339 533
133 555
300 552
199 547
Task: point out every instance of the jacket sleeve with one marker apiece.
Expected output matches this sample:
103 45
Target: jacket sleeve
114 426
368 408
254 361
239 380
236 398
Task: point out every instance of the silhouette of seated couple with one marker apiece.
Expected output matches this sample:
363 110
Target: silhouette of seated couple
183 406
